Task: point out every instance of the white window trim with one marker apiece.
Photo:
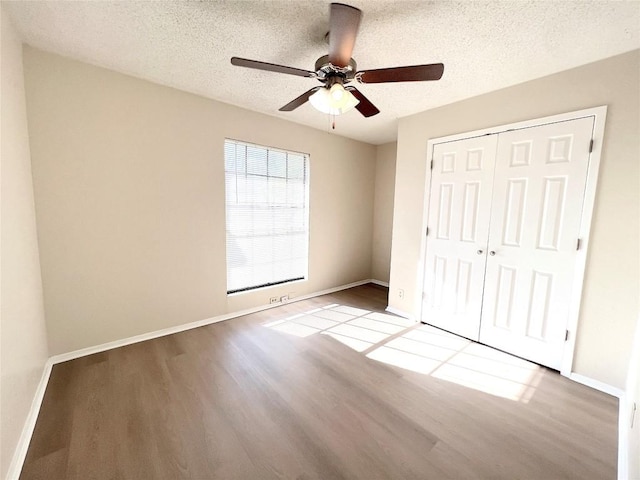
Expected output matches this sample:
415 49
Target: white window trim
305 276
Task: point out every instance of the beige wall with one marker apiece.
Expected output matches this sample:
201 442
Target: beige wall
610 297
383 211
129 189
24 342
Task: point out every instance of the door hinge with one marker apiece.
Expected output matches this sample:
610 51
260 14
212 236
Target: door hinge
427 231
578 243
566 335
591 146
431 166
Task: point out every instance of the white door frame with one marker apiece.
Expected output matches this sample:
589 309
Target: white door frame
599 115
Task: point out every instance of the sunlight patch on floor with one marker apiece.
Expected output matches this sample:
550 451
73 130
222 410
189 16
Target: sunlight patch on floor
354 343
423 349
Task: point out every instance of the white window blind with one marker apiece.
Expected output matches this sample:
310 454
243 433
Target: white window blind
267 213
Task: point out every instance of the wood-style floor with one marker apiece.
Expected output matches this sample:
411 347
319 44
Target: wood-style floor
326 388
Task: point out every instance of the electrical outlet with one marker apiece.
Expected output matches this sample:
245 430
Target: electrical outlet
273 300
284 298
400 293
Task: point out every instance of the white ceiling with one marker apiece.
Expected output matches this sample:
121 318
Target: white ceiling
485 45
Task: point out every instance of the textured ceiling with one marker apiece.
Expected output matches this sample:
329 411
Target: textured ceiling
187 45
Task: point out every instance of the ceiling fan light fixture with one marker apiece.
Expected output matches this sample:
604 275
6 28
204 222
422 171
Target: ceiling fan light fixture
337 92
334 101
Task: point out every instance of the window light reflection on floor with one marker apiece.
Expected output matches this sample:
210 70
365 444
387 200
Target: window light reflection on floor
419 348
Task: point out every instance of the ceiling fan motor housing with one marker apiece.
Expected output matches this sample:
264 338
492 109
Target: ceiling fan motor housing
329 74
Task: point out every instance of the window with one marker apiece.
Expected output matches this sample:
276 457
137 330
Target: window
267 212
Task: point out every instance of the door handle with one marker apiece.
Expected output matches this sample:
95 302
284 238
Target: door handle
480 252
492 253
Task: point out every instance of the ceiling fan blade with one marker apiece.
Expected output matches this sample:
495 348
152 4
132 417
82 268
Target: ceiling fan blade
270 67
344 22
301 100
365 107
415 73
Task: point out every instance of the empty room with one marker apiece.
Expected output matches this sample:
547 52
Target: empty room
310 240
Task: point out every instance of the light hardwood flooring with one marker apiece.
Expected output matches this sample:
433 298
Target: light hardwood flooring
326 388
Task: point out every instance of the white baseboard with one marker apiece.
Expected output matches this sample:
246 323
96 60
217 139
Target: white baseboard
400 313
597 385
380 282
624 413
20 452
331 290
25 437
83 352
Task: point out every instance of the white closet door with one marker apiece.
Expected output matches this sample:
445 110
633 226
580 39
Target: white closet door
458 221
538 193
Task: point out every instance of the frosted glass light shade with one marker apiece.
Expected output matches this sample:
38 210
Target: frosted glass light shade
334 101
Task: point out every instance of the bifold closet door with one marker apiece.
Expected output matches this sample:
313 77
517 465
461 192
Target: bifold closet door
538 192
458 219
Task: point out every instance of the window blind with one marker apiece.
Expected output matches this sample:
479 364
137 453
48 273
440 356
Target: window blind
267 215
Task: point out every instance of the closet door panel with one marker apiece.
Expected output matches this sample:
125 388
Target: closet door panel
458 219
538 192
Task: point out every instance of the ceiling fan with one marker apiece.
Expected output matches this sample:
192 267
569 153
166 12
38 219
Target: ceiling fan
336 70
